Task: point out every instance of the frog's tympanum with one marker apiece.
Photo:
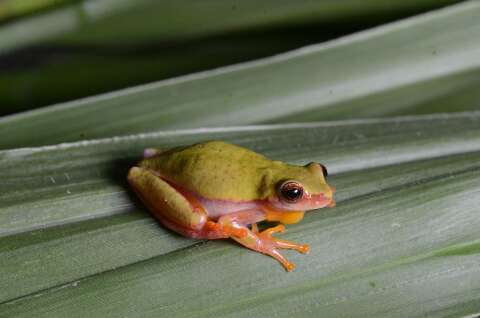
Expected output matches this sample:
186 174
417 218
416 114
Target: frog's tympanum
216 190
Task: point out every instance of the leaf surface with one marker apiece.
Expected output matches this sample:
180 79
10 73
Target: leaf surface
402 241
401 68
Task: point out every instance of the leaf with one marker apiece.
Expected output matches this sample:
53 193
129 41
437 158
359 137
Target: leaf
13 9
402 242
31 75
92 47
114 21
390 69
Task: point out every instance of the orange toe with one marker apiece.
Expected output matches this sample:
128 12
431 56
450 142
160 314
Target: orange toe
304 248
276 229
289 266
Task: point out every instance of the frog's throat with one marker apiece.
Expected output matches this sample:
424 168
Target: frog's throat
285 217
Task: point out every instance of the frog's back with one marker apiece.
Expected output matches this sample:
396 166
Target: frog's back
214 169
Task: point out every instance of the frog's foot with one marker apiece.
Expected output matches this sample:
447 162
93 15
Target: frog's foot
265 243
267 235
270 245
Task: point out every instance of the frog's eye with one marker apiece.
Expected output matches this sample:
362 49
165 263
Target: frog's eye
291 191
324 170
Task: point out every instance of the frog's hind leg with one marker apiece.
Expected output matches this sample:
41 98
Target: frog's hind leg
177 211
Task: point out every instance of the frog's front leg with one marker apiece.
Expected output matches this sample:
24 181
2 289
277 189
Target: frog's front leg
262 242
177 211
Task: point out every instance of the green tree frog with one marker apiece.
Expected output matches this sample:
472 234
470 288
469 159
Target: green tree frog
216 190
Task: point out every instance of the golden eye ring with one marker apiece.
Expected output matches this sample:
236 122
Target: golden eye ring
291 191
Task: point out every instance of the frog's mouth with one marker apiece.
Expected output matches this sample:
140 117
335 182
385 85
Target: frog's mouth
317 201
278 211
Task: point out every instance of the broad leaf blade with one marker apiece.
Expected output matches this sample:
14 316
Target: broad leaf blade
13 9
362 73
112 21
403 240
92 47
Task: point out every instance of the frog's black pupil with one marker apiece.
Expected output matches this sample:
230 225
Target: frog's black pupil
292 192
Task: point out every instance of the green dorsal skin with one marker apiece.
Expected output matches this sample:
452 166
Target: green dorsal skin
222 171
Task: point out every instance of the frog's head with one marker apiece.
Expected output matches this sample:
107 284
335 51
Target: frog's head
302 189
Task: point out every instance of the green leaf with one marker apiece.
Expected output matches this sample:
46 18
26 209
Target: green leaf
402 242
92 47
113 21
404 67
87 69
12 9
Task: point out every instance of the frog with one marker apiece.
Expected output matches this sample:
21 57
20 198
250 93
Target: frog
218 190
